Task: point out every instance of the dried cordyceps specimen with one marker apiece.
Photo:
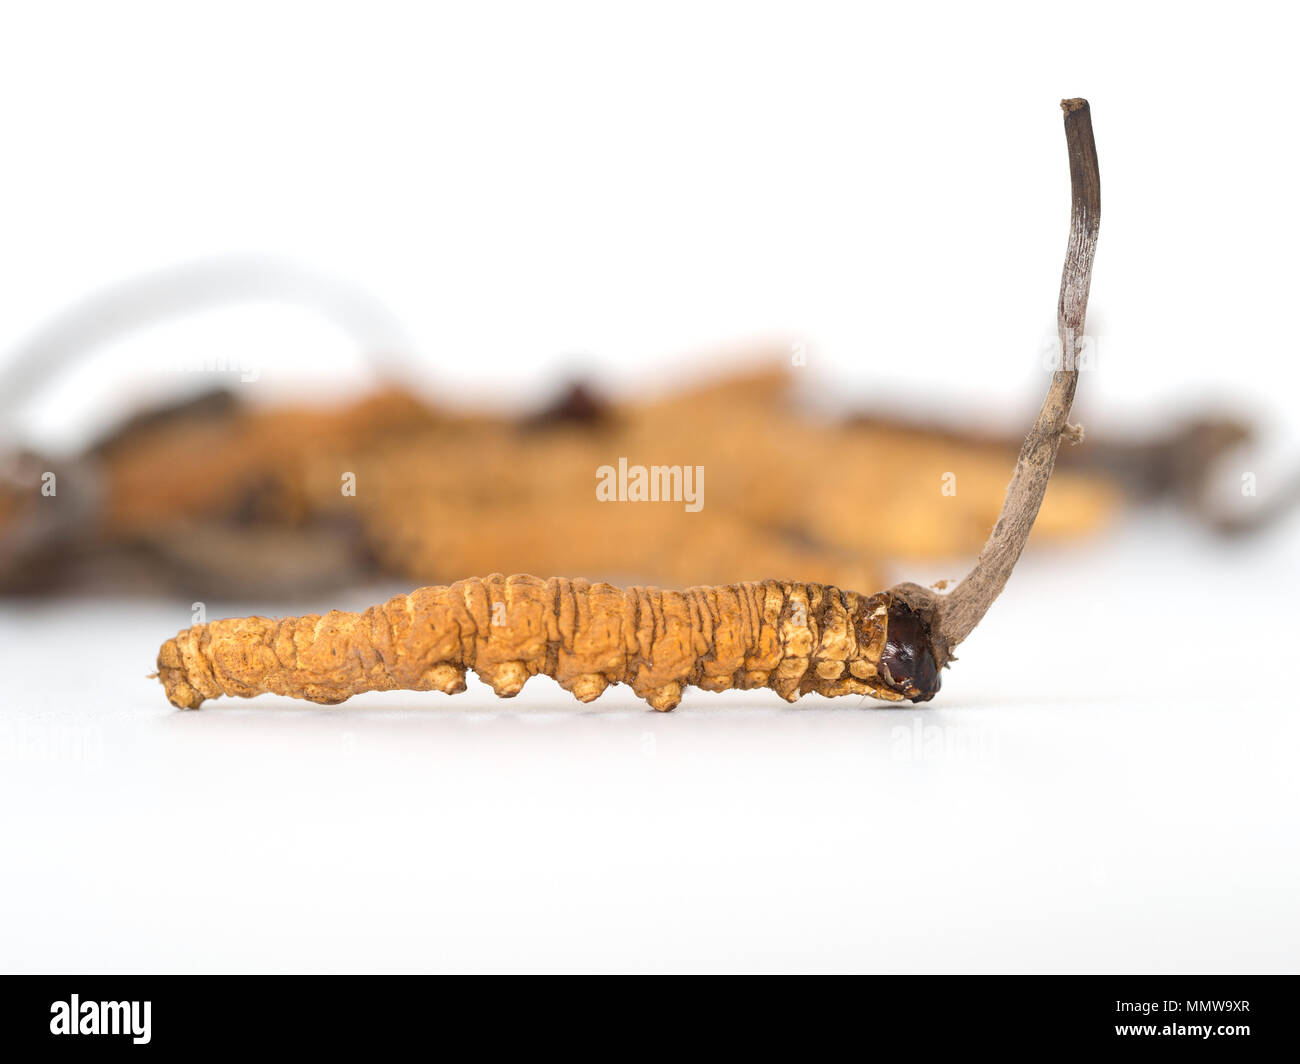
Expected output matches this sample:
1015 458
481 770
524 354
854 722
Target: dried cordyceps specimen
792 637
220 497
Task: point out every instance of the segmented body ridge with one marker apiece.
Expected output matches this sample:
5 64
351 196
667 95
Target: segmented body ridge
792 637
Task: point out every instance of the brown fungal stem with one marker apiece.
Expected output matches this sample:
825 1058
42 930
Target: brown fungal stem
954 616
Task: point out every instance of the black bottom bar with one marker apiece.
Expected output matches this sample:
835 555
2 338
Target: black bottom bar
1226 1014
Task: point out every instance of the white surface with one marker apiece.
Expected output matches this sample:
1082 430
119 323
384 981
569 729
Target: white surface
532 186
1107 782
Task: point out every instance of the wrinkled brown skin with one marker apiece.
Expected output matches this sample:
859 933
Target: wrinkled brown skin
794 638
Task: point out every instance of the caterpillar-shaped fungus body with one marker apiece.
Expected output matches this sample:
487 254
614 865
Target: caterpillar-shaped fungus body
791 637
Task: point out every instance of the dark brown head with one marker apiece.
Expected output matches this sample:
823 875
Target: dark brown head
908 665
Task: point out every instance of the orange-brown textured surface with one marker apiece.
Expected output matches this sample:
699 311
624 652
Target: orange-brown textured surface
442 494
791 637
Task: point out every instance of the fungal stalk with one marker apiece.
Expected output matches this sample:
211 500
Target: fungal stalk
954 616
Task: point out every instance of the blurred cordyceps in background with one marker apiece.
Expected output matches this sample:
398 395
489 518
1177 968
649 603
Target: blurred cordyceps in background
214 497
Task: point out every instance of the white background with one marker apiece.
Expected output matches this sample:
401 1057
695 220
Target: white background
1107 781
